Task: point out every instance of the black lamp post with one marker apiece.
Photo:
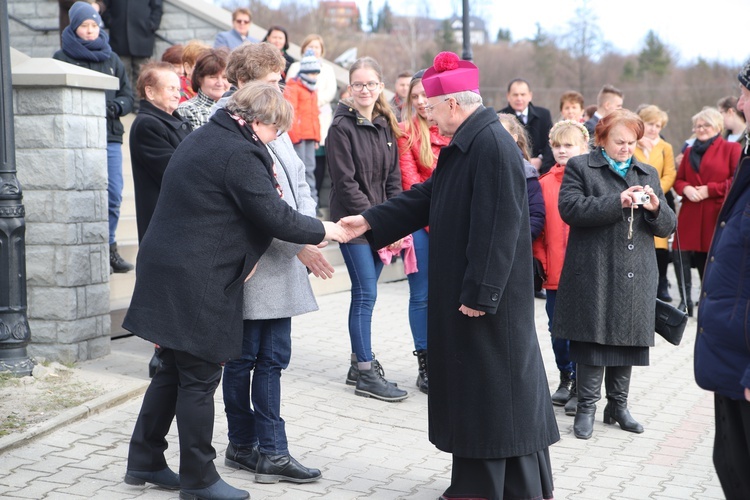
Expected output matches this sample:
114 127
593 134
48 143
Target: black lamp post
467 55
14 327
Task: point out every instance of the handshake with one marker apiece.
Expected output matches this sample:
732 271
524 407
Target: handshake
346 229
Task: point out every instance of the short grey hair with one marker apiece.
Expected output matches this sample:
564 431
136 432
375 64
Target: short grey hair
262 102
466 98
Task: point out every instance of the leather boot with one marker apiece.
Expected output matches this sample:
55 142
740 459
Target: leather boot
242 457
372 384
562 394
275 468
116 262
617 384
588 384
220 490
682 268
662 292
572 404
422 381
353 374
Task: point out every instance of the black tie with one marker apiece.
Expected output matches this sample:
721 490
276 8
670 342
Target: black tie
522 117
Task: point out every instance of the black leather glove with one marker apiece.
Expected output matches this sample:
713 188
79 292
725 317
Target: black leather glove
113 110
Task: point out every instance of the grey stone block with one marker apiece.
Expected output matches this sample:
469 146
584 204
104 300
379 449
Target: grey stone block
77 206
94 232
43 331
55 233
91 166
23 10
79 330
98 347
96 132
52 303
74 130
54 352
38 130
40 263
93 103
174 20
43 101
73 267
97 299
207 33
99 262
40 206
46 168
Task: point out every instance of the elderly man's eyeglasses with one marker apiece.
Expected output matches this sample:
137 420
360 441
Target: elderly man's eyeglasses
430 107
357 87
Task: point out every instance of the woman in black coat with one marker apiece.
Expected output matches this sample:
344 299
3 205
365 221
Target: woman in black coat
154 135
218 210
605 300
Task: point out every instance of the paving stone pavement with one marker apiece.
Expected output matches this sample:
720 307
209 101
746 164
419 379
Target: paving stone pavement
376 450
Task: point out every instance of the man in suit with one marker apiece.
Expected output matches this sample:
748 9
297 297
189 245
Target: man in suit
536 120
241 20
132 31
608 100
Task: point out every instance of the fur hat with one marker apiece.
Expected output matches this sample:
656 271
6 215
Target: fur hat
309 63
744 76
449 74
80 12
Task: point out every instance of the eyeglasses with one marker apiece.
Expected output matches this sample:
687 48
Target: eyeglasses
358 87
702 127
242 21
430 107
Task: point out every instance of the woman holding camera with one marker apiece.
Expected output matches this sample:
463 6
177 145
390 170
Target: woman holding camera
605 300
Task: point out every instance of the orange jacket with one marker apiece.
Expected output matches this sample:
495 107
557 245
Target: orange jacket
306 124
550 246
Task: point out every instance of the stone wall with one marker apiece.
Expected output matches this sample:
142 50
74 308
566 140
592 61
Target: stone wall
61 163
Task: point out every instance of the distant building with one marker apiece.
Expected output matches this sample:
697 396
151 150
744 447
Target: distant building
341 14
477 30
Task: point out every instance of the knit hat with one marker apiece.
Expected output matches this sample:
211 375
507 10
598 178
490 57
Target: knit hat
449 74
744 76
309 63
80 12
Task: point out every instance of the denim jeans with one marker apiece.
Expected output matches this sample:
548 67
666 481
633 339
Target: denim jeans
561 347
364 268
418 291
114 186
266 349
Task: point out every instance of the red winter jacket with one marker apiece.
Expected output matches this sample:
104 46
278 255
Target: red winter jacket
306 124
696 221
412 171
550 246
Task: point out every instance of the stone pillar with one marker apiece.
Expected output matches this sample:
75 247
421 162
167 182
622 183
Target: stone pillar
61 161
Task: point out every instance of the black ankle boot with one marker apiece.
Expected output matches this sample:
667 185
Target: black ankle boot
116 262
372 384
662 292
617 383
422 381
275 468
588 385
353 374
242 457
562 394
682 269
572 404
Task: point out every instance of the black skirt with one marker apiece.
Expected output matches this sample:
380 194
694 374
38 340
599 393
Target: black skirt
588 353
528 477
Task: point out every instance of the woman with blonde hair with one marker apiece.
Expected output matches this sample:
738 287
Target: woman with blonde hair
655 151
190 54
363 163
703 180
418 150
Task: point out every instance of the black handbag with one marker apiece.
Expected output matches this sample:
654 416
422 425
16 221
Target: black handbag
671 321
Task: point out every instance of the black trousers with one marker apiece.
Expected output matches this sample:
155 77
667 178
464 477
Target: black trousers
183 387
732 446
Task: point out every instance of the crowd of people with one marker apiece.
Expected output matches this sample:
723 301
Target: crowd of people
228 150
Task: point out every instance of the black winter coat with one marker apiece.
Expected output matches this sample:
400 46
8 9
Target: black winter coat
132 25
154 136
538 124
489 396
123 96
217 212
362 159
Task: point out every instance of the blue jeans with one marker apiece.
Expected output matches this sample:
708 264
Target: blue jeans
114 186
266 349
364 268
561 347
418 291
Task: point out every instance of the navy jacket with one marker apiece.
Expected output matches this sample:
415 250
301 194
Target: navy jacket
538 125
722 345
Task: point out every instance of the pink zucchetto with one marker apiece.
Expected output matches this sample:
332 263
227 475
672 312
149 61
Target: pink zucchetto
450 74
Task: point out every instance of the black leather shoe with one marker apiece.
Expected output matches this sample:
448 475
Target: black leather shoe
275 468
220 490
242 457
116 262
614 413
583 425
164 478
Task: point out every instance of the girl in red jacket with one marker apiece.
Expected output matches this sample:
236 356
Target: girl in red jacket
305 131
567 138
418 149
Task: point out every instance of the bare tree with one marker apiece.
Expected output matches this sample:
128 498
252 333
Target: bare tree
585 41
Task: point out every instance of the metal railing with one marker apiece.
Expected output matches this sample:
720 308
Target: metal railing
48 29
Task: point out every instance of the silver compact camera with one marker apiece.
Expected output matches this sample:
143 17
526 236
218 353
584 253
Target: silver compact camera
641 198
